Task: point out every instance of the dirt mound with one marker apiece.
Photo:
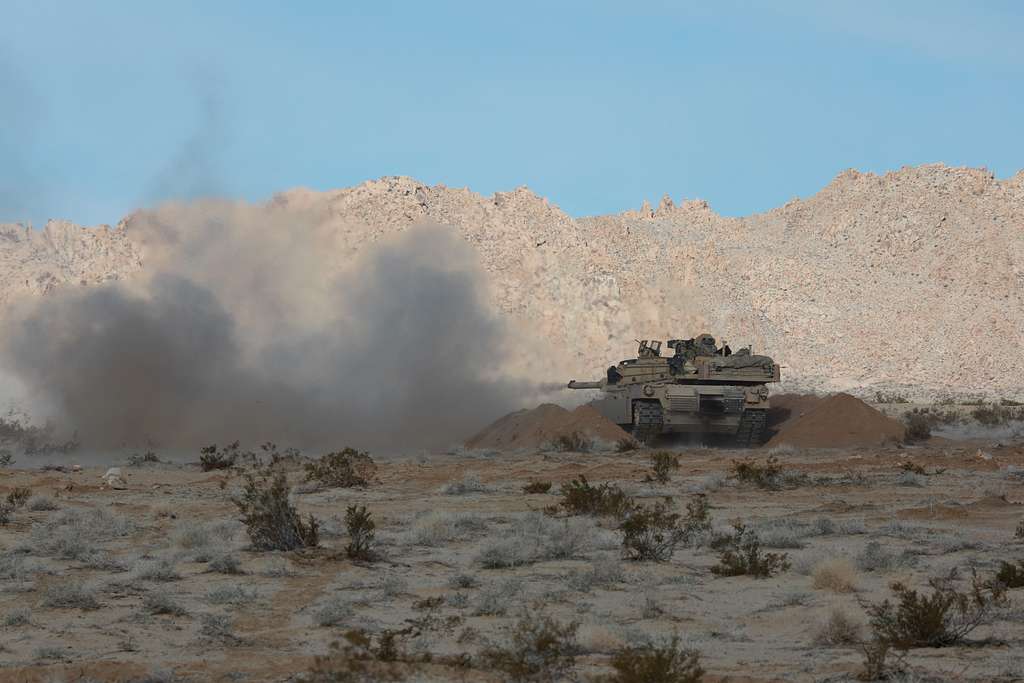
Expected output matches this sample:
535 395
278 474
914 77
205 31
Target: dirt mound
536 427
785 408
837 421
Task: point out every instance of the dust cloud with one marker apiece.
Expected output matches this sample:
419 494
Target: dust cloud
249 324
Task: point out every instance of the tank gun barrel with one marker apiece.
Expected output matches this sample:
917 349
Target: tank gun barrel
586 385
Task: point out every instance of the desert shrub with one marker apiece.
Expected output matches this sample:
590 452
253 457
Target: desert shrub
270 519
576 442
537 487
72 534
657 663
19 616
626 444
1011 575
912 467
162 603
942 618
839 629
497 598
342 469
890 397
662 465
601 573
219 627
357 658
18 496
439 527
918 426
742 556
836 575
463 580
213 457
225 563
6 457
157 570
994 415
697 523
1019 531
875 558
67 595
231 595
360 533
51 653
539 648
470 483
147 458
535 537
651 533
579 497
768 475
910 479
333 612
41 504
876 654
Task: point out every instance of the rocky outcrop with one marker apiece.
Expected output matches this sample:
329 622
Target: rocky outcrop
912 280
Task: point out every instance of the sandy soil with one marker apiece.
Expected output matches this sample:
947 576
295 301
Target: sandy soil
437 514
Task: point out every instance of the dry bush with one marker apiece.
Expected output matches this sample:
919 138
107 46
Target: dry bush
579 497
213 457
1011 575
836 575
917 427
157 570
1019 531
651 663
602 573
770 475
470 483
361 533
6 457
535 537
876 653
943 618
360 657
994 415
342 469
540 648
537 487
576 442
270 519
697 524
162 603
662 465
875 558
890 397
437 527
147 458
225 563
15 499
221 628
19 616
651 533
231 595
67 595
497 598
41 504
742 556
73 534
839 629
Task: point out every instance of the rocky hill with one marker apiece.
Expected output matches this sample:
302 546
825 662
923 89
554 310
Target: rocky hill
912 281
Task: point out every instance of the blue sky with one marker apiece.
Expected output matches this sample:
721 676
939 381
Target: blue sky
108 106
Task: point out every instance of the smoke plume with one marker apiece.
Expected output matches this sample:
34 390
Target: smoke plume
249 324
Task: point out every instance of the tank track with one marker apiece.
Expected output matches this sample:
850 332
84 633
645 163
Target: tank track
752 427
648 420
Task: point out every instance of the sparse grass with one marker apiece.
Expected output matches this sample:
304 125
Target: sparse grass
40 503
497 599
663 464
157 570
535 537
769 475
193 536
579 497
219 627
836 575
667 662
159 602
742 556
470 483
537 487
19 616
225 563
439 527
539 648
333 612
1011 575
601 574
651 533
342 469
939 619
875 558
360 527
576 442
270 519
73 534
68 595
51 653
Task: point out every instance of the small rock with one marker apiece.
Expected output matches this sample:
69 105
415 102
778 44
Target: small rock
114 479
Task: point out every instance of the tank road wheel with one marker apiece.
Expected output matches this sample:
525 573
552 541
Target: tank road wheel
752 427
647 421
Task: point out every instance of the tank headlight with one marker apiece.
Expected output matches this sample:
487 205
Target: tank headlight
763 393
648 390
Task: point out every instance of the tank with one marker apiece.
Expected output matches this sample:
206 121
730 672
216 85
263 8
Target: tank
701 388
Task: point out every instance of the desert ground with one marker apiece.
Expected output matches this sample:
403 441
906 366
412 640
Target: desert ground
158 581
